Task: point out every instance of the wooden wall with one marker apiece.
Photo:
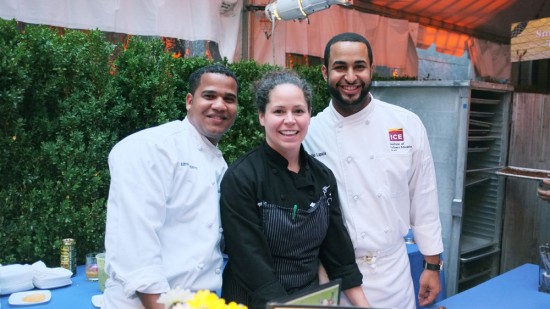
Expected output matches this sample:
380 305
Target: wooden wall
526 219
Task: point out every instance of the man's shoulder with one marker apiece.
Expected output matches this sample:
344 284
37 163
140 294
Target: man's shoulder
317 164
392 107
323 114
246 162
395 111
155 135
320 126
157 131
321 123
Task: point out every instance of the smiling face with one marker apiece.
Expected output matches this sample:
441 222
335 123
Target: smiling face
213 107
349 76
286 119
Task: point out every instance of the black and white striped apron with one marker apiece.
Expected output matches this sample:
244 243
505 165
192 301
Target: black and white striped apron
294 238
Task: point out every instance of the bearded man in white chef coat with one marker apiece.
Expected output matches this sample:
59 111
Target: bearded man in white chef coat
382 161
163 220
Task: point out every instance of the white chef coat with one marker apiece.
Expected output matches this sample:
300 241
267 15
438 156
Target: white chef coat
163 224
386 182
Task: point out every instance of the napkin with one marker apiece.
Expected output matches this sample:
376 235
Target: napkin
49 278
16 278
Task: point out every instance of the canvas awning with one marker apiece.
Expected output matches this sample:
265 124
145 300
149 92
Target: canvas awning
480 26
486 19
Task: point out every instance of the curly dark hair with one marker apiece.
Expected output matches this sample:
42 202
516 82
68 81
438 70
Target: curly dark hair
273 79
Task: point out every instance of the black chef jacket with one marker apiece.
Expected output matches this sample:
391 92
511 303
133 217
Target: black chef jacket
278 225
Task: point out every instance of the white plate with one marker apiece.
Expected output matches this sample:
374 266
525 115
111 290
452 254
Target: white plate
97 300
30 297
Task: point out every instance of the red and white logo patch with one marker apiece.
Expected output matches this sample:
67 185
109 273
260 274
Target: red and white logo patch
396 135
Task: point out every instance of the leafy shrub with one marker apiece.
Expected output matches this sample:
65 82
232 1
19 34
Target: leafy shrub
65 100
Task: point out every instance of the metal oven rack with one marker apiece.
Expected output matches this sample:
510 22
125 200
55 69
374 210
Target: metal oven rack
480 244
467 124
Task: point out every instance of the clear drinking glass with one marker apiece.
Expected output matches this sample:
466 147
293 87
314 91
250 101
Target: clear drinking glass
102 274
91 267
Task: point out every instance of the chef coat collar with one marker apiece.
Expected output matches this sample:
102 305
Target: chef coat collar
359 116
281 162
201 141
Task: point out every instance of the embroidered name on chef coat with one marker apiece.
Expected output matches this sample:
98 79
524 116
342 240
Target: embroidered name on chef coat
396 138
319 154
185 164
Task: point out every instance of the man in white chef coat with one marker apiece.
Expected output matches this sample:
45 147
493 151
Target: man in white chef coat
386 180
163 224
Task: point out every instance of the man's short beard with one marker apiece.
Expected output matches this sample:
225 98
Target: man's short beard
348 104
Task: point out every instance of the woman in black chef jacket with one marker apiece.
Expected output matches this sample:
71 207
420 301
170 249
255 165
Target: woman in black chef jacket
279 207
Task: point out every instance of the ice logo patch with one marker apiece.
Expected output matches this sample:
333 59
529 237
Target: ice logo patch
396 135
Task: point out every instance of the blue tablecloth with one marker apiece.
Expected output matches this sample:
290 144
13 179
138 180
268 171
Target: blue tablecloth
515 289
79 294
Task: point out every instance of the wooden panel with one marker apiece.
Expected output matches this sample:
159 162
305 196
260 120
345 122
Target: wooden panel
527 218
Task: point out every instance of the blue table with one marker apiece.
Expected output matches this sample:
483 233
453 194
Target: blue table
517 288
79 294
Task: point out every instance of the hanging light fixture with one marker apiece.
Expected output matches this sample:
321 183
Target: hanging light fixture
298 9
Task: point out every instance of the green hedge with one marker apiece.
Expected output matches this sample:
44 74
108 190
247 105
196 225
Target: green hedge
65 100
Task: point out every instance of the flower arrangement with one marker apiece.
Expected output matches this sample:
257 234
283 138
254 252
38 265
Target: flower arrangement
203 299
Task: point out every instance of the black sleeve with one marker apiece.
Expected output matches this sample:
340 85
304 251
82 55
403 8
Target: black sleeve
246 245
337 253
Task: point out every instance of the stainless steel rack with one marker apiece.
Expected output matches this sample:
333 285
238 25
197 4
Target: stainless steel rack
467 124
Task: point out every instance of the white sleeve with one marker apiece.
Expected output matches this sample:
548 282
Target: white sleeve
136 209
425 221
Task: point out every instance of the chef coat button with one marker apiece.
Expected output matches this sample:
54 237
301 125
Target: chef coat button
386 230
349 159
218 271
221 230
378 194
200 266
363 235
355 197
371 157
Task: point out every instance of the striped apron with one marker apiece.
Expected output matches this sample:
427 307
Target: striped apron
294 239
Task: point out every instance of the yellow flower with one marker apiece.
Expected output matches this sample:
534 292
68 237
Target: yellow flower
202 299
234 305
205 299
